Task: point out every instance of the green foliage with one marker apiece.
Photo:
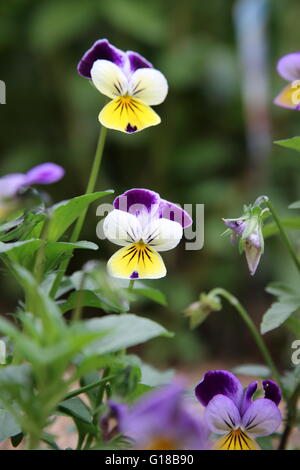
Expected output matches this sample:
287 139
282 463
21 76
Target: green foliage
293 143
288 302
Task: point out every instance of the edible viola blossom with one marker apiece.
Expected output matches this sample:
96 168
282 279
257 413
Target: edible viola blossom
288 68
163 420
130 81
251 237
231 412
143 224
12 184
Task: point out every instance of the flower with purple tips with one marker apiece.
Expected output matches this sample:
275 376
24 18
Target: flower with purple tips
143 224
130 81
231 412
12 184
163 420
288 68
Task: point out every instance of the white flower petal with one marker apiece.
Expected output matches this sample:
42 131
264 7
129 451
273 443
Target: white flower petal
122 228
163 234
149 86
109 79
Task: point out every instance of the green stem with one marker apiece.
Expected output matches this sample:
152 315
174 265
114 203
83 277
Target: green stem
283 233
131 285
40 256
255 333
88 387
291 418
80 221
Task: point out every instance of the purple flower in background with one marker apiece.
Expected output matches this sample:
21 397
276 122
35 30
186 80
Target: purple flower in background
230 410
162 420
11 184
288 68
130 81
143 224
250 233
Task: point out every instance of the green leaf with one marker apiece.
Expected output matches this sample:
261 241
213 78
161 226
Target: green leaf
153 294
295 205
154 377
76 408
88 298
292 223
8 425
65 213
55 250
253 370
124 331
278 313
292 143
20 252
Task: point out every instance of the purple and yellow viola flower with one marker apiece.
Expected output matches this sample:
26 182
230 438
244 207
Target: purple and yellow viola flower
143 224
231 412
288 68
130 81
11 185
162 420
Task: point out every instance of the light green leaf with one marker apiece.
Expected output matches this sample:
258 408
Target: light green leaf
292 223
153 294
76 408
124 331
295 205
154 377
254 370
292 143
88 298
278 313
8 425
65 213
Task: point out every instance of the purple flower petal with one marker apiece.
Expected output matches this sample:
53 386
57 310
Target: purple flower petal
136 200
11 184
152 414
261 418
288 66
247 397
101 49
171 211
272 391
218 382
236 225
222 415
46 173
136 61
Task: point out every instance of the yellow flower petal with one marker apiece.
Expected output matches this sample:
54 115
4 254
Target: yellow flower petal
136 261
236 440
128 115
289 97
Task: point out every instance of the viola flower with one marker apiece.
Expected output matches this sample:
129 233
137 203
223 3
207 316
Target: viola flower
230 410
12 184
162 420
250 233
288 68
143 224
130 81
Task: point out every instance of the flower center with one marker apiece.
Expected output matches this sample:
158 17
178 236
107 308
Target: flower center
162 443
236 439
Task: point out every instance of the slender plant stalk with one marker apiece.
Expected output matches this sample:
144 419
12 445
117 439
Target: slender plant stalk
40 256
80 221
283 234
291 418
255 333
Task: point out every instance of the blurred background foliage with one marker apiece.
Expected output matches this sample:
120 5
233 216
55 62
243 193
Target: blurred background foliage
199 154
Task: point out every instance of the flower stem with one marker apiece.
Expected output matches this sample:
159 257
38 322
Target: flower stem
255 333
80 221
283 233
291 418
